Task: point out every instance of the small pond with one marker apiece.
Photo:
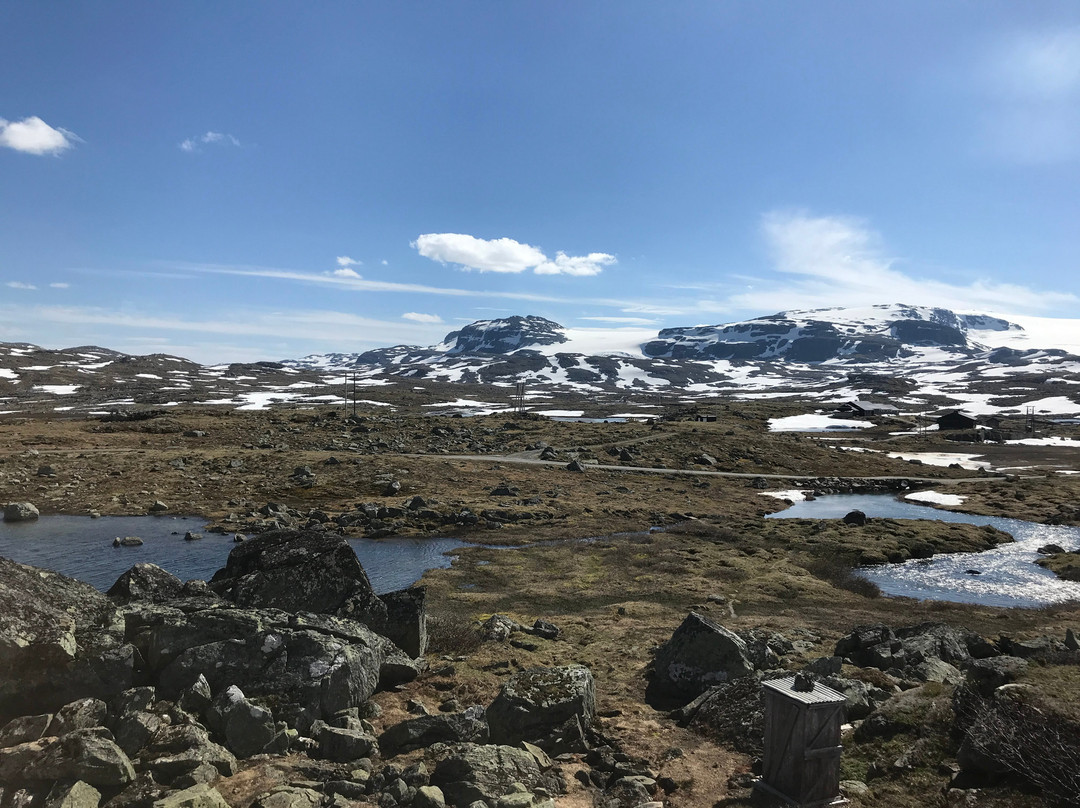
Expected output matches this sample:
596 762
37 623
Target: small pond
82 548
1007 575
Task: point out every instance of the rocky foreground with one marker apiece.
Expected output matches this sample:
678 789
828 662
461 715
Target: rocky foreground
257 688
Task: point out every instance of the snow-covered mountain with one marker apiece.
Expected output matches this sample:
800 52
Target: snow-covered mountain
917 357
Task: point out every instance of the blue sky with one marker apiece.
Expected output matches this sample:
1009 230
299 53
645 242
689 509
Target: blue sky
235 181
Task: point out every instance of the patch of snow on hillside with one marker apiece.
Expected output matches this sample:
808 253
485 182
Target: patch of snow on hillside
793 495
58 389
8 374
1044 442
966 461
812 423
936 498
600 342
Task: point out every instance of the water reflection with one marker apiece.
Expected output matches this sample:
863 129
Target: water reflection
1007 575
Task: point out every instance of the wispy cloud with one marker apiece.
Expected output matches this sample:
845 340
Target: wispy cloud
1032 85
839 261
346 261
622 320
33 136
19 285
417 317
59 285
505 255
346 273
193 144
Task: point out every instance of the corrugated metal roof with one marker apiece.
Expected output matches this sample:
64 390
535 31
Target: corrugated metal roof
819 695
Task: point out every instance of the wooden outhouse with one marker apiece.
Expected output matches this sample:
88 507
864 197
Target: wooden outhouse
801 764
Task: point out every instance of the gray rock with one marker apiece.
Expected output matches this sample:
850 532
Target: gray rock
20 512
81 755
289 797
416 733
196 698
176 750
987 675
857 702
934 670
134 730
197 796
145 582
246 727
132 700
855 518
576 466
322 663
23 729
343 745
406 619
73 795
700 654
498 628
299 571
429 797
81 714
60 640
470 772
549 707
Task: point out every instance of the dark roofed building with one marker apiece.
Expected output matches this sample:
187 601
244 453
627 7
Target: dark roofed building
955 420
868 408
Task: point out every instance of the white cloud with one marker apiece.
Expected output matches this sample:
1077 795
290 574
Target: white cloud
384 262
838 261
19 285
346 273
33 136
192 144
483 255
59 285
416 317
591 264
505 255
345 261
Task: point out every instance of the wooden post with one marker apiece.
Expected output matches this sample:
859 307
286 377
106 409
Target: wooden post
801 764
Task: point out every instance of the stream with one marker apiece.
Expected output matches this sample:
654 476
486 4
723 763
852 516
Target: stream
1006 575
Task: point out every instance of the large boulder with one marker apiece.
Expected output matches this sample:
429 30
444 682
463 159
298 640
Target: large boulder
60 640
470 772
406 619
549 707
246 727
145 582
299 571
415 733
86 755
320 663
20 512
699 654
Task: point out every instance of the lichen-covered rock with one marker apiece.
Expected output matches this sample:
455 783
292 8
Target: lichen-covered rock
60 640
470 772
23 729
299 571
247 728
73 795
467 726
145 582
20 512
81 714
85 755
699 654
549 707
342 745
197 796
406 619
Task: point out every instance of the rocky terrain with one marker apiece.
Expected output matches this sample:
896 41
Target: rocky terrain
602 640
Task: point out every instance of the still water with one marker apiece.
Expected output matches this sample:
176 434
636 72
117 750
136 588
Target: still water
82 548
1007 575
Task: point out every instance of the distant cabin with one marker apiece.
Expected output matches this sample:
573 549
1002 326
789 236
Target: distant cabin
868 409
955 420
702 417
